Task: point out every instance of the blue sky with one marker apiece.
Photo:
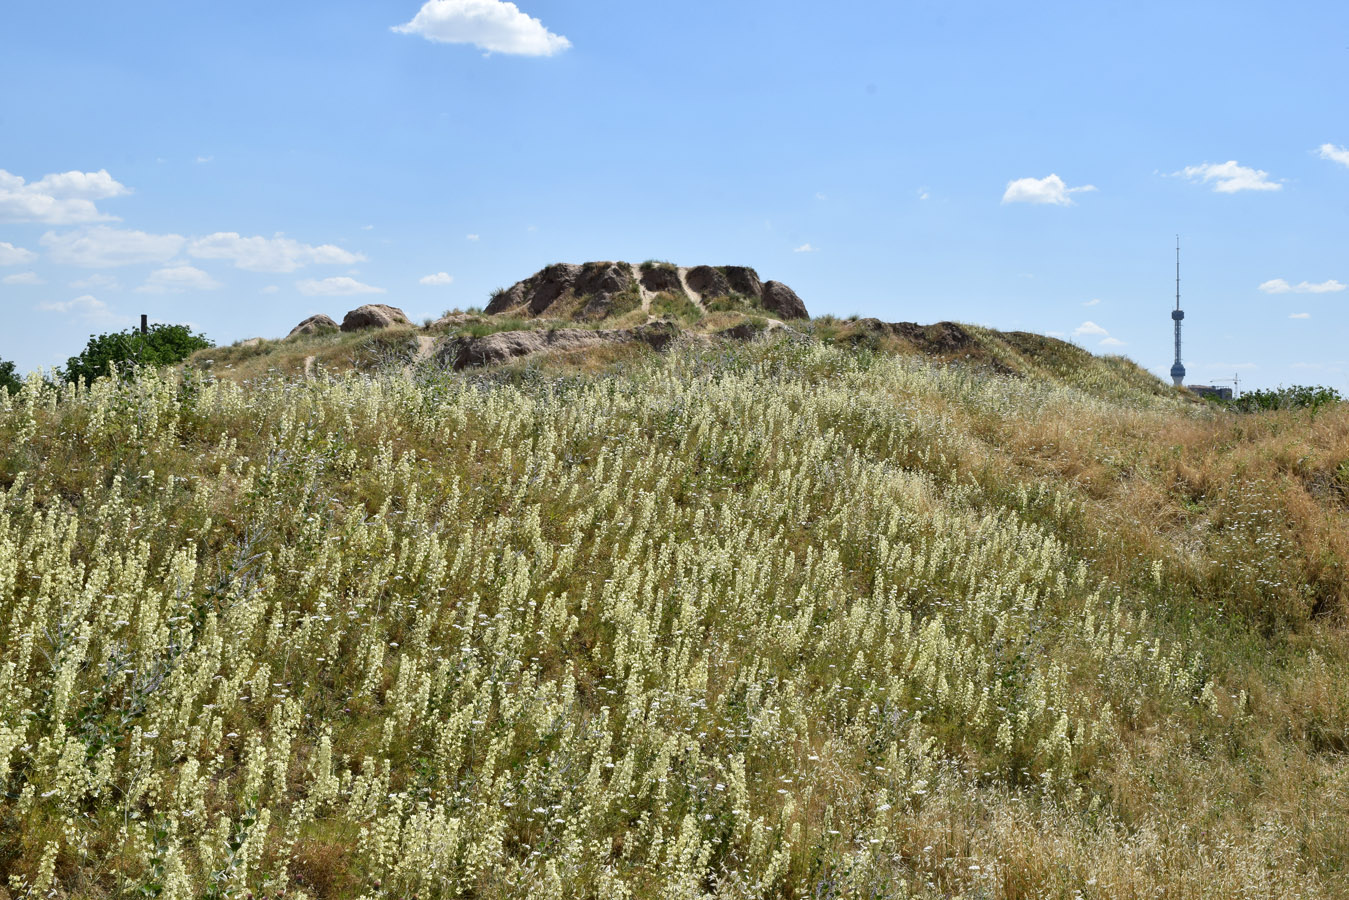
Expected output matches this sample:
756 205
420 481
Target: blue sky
1025 166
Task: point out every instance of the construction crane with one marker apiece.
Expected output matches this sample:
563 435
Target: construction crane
1235 381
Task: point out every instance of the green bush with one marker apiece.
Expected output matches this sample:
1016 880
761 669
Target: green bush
1299 396
162 345
8 380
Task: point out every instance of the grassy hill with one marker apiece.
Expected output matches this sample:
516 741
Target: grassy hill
855 616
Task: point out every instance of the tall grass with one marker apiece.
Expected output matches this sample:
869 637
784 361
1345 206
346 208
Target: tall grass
776 620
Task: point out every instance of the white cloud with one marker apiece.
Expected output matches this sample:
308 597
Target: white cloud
821 196
1042 190
1335 154
102 247
176 280
806 248
14 256
1096 301
1280 286
1300 316
88 308
205 159
1112 342
440 279
492 25
61 199
471 237
98 280
22 278
1090 329
1229 178
335 287
924 193
274 254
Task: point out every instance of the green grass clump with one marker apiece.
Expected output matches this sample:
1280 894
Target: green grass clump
781 619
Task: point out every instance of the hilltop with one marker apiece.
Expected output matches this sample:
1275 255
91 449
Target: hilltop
588 316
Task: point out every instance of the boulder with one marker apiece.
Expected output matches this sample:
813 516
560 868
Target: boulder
314 325
744 280
780 299
251 342
708 282
374 315
661 279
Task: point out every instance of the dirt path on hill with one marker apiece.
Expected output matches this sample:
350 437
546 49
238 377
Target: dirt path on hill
693 295
647 296
309 367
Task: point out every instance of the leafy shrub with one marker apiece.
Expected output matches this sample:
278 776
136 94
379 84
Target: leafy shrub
162 345
1298 396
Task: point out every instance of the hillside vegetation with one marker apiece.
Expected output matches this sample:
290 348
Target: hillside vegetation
785 618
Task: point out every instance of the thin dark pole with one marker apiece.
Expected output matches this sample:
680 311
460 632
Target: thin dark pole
145 324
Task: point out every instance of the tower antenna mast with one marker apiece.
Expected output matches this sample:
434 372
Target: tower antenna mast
1177 316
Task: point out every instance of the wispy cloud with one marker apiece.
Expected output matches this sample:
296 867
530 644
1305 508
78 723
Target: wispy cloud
1229 177
440 279
924 194
177 280
61 199
1280 286
336 287
97 281
806 248
1090 329
1335 154
1300 316
14 256
87 308
471 237
1095 301
22 278
104 247
492 25
273 254
1112 342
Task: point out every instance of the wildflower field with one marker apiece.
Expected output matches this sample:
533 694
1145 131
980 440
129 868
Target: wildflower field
776 620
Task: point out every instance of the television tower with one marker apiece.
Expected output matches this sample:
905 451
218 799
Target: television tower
1178 316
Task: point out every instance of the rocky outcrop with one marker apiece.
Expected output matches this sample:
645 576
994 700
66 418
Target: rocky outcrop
708 282
594 290
598 283
374 315
780 299
744 280
464 352
662 279
314 325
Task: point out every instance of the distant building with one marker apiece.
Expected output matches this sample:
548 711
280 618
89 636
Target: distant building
1211 392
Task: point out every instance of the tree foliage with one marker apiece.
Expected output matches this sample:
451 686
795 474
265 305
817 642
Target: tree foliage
162 345
8 379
